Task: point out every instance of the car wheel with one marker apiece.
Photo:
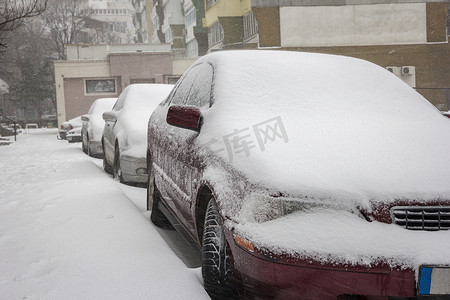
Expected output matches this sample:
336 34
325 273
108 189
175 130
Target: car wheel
216 266
117 171
153 198
108 169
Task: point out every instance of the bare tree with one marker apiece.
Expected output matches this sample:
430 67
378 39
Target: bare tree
14 12
66 20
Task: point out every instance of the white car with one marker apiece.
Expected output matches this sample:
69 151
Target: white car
67 126
124 138
74 135
93 124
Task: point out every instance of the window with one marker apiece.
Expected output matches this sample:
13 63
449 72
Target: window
215 34
192 48
250 25
195 87
100 86
210 3
200 94
183 89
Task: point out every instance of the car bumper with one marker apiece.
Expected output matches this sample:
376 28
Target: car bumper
95 148
133 169
73 138
264 276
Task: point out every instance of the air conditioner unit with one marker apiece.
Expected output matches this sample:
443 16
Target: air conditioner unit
408 70
395 70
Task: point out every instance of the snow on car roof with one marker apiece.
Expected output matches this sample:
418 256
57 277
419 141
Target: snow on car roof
326 126
101 105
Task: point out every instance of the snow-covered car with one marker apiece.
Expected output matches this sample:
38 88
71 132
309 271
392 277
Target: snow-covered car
74 135
304 176
124 139
68 125
92 126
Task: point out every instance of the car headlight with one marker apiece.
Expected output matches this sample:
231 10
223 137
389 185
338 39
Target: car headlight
261 208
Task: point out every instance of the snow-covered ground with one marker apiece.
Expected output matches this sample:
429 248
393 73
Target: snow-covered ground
69 231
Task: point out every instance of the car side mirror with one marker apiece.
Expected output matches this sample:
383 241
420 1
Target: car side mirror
85 118
188 117
109 116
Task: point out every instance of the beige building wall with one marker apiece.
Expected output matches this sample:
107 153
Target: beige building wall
75 70
353 25
425 45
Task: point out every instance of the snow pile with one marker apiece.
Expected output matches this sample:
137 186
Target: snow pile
131 127
68 232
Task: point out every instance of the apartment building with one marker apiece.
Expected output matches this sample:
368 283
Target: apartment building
231 24
112 21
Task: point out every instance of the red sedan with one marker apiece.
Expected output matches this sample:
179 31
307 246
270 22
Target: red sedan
304 176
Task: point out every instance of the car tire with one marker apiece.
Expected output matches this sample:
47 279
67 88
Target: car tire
108 169
153 198
217 275
117 171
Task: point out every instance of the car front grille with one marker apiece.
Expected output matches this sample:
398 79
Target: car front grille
422 217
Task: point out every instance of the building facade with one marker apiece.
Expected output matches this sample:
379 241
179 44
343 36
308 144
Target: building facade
231 24
113 22
179 23
96 71
410 38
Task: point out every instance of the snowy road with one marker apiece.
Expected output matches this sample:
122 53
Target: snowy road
69 231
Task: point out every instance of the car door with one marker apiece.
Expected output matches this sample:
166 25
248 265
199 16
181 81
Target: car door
181 161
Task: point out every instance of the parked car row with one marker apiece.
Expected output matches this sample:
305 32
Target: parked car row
297 175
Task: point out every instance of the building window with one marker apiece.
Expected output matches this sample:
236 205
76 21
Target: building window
192 48
215 34
100 86
210 3
168 36
250 25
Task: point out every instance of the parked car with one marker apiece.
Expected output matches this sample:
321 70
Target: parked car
74 135
68 125
124 137
92 126
303 176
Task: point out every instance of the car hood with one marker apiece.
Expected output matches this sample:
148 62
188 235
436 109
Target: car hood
336 128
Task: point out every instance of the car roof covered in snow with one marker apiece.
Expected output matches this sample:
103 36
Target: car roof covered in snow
326 126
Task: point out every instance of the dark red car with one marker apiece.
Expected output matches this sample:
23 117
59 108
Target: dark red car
304 176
